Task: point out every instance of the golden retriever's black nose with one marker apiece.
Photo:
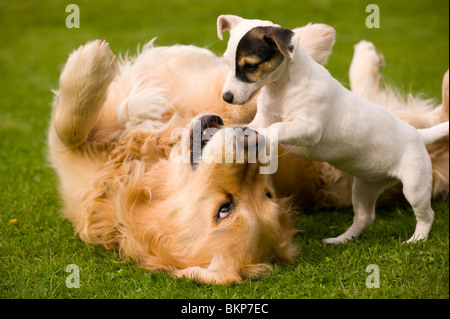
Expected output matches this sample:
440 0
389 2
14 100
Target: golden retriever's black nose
252 139
209 121
201 132
228 97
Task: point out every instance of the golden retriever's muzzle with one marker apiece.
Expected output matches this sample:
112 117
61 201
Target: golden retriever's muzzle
201 132
206 126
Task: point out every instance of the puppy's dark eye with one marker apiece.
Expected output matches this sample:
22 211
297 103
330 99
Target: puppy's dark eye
250 67
224 210
269 194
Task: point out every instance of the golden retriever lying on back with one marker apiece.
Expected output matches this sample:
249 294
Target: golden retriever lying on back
110 143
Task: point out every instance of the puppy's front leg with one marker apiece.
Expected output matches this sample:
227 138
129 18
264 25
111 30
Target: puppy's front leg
298 132
258 122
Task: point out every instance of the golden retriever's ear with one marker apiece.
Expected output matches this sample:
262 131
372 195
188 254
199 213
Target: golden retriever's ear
226 22
317 40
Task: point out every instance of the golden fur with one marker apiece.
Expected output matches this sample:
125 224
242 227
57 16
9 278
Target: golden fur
109 142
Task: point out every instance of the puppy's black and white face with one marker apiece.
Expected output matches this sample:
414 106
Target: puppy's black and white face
255 50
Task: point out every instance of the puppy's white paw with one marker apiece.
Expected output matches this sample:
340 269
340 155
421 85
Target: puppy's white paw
335 240
415 238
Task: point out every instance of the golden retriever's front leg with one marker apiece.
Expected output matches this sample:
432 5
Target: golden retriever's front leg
83 87
220 271
205 275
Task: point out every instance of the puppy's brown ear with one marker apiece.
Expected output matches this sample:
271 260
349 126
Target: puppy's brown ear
226 22
282 39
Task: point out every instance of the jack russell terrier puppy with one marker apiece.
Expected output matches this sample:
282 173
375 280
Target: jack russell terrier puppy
318 119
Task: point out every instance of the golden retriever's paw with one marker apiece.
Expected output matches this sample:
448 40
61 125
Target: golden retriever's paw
103 62
83 87
364 73
445 98
369 54
208 276
90 67
317 40
198 274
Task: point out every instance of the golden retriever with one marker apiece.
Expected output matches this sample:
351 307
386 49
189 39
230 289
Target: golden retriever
110 142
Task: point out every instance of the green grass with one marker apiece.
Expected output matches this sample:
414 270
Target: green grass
34 254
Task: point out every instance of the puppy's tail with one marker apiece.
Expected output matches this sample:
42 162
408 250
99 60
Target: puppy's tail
434 133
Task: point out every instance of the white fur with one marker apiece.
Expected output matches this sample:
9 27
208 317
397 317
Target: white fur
318 119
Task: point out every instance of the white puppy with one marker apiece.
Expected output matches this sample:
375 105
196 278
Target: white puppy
318 119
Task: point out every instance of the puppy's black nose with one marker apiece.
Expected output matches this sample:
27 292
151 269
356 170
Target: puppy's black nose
228 97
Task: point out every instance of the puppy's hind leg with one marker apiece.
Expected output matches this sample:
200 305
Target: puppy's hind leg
83 86
364 198
417 185
364 73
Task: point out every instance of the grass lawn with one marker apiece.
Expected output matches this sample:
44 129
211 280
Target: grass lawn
35 251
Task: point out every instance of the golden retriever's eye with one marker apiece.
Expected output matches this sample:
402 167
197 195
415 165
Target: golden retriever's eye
269 194
225 210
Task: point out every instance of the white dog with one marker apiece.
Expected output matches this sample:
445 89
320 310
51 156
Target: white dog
318 119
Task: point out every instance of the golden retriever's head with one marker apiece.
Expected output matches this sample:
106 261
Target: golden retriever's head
211 219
